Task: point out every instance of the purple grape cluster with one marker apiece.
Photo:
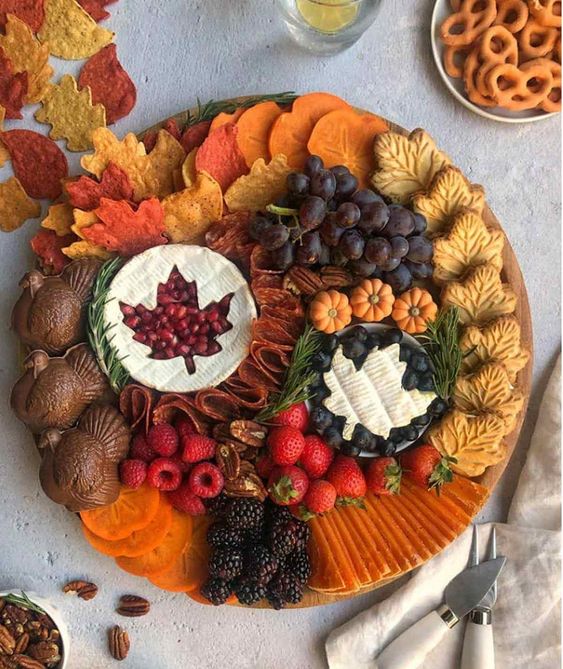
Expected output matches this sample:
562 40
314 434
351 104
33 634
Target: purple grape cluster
334 223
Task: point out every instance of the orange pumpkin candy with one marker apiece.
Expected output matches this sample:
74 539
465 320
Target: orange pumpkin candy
372 300
413 309
330 311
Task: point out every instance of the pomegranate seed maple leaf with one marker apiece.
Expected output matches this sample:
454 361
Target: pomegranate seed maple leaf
177 326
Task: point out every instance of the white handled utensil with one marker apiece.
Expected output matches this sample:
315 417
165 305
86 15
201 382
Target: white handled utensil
462 594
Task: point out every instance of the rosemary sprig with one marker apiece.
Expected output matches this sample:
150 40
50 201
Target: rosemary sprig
209 110
99 332
24 602
298 377
441 341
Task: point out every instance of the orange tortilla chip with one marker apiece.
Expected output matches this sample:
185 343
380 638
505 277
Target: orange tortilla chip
221 157
264 185
59 219
47 246
16 207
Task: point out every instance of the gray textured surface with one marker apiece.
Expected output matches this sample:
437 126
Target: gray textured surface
176 51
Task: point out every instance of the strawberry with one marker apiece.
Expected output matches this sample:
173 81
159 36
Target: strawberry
320 497
384 476
264 466
296 416
348 479
287 485
316 456
286 445
427 467
197 447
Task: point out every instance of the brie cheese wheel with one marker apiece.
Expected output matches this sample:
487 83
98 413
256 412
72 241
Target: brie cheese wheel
215 276
373 396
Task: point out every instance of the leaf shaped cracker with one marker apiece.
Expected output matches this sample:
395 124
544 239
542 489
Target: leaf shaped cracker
480 297
405 165
70 31
27 55
15 205
59 219
469 243
475 441
166 157
489 390
449 193
30 12
265 184
498 340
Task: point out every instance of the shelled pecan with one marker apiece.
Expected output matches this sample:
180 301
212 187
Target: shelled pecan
26 662
333 276
7 641
46 652
228 461
132 606
248 432
247 484
302 281
118 641
83 589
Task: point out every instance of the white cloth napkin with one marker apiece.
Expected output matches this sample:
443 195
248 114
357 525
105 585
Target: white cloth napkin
527 616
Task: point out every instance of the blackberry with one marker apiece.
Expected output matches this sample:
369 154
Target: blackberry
275 602
281 538
260 564
303 532
216 590
220 535
246 514
299 565
226 563
286 587
249 591
217 504
276 514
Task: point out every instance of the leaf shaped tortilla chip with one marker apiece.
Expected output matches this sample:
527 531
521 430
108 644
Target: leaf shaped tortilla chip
13 88
85 249
189 173
220 156
30 12
265 184
59 219
4 154
85 193
15 206
47 245
96 8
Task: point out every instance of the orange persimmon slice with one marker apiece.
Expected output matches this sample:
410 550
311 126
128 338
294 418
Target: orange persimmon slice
166 553
138 542
344 137
223 118
254 130
132 510
291 131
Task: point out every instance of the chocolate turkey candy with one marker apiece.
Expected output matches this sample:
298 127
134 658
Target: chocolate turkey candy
49 314
53 392
80 466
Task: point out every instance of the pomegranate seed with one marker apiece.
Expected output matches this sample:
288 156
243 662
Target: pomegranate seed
213 315
127 310
200 347
163 320
146 317
159 345
216 327
181 311
158 311
192 311
152 337
191 340
171 310
165 335
140 337
169 352
204 329
200 317
132 322
183 349
182 324
159 355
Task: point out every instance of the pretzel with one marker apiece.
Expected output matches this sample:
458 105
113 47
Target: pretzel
454 60
536 41
512 14
517 90
463 27
470 71
552 101
496 46
546 12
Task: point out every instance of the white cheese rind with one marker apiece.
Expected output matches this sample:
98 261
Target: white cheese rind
374 395
215 276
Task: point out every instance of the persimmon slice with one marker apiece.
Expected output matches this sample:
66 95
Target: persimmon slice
254 129
138 542
359 523
469 496
166 553
325 576
132 510
348 539
224 117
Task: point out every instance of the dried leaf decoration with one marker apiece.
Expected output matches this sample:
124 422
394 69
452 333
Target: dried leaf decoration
499 340
71 32
489 391
468 244
480 297
71 114
265 184
406 165
449 193
85 193
59 219
15 205
27 55
475 441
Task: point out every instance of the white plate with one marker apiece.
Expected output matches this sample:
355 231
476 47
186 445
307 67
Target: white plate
442 10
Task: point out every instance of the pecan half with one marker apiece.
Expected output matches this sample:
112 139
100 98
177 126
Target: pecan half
84 589
22 642
26 662
132 606
7 641
228 461
15 614
46 652
118 641
302 281
247 484
333 276
248 432
221 431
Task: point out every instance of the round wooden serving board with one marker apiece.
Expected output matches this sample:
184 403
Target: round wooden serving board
512 275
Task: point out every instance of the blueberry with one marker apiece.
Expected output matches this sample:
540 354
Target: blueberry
419 362
359 362
438 407
405 353
392 336
362 437
339 422
330 343
321 393
333 437
353 348
321 418
421 421
409 433
373 341
395 435
387 447
426 383
321 361
349 448
410 379
359 332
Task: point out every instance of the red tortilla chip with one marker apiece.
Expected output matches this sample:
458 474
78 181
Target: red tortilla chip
85 193
195 135
220 156
110 84
217 404
47 247
171 126
125 230
171 405
96 8
28 11
135 403
13 87
38 162
149 140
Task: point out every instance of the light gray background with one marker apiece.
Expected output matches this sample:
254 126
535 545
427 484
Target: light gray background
178 50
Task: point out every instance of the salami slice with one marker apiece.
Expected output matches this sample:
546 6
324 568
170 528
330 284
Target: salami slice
266 281
273 333
269 357
135 403
246 397
172 404
255 376
261 262
217 404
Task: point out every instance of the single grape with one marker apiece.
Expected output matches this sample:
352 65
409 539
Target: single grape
258 226
420 249
274 237
399 247
284 257
378 250
330 231
390 264
337 257
346 185
285 200
339 170
309 251
348 214
323 184
401 221
419 271
313 165
298 183
295 232
312 212
362 267
365 196
324 257
420 224
400 279
374 217
352 244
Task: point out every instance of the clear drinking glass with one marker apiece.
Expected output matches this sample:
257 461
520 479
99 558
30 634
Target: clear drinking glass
328 26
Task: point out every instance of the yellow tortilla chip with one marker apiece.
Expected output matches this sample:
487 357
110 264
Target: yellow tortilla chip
71 32
189 172
27 55
261 187
4 155
189 213
59 218
84 249
166 157
16 207
71 114
82 219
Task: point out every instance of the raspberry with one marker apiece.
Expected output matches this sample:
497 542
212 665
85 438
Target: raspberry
140 450
185 467
133 472
316 457
184 427
264 466
286 445
163 439
205 480
184 500
320 497
164 474
296 416
197 447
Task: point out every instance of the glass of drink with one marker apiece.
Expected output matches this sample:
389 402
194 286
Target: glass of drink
327 26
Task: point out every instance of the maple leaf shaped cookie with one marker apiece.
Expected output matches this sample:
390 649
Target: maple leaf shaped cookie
489 390
469 243
449 193
405 165
475 441
498 340
481 296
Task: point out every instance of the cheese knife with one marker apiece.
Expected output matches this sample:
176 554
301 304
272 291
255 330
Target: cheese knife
462 594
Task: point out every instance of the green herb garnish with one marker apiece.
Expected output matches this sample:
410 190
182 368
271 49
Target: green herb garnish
23 602
209 110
